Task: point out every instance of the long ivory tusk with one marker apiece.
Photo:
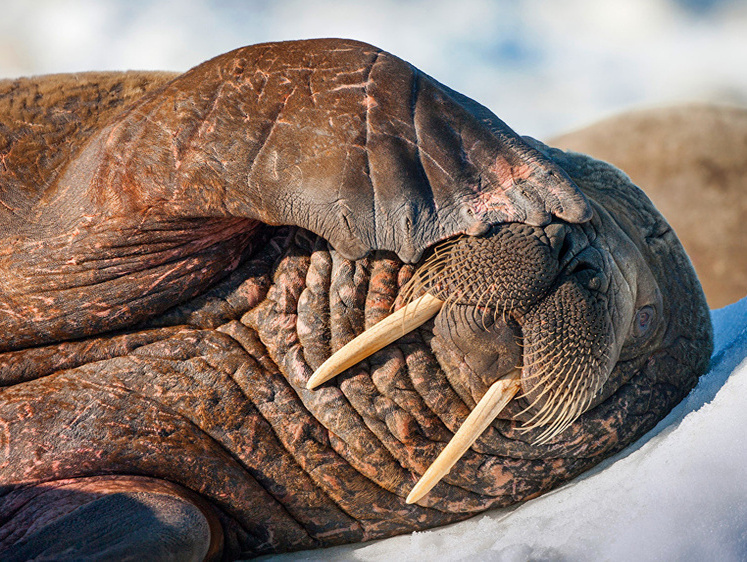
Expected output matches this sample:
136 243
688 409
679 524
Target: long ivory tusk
490 405
391 328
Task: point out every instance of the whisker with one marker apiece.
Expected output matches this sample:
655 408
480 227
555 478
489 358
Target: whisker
560 391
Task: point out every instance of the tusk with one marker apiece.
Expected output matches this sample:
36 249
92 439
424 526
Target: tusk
490 405
377 337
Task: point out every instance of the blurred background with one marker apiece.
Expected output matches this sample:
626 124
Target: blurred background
543 67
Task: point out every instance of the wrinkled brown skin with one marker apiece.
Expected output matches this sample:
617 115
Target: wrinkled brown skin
691 160
158 329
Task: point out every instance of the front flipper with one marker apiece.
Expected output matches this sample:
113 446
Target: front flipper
335 136
109 518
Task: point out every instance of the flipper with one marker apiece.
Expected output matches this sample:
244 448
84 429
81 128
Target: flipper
334 136
108 518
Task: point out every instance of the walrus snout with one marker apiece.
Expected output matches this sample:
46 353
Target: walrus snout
510 268
568 356
531 298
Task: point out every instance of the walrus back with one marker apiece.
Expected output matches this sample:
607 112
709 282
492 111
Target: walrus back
45 120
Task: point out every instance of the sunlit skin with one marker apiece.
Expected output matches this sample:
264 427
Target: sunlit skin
180 253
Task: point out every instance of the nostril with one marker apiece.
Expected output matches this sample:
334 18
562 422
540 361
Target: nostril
560 241
588 276
587 270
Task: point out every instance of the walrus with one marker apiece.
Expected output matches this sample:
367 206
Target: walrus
691 160
246 308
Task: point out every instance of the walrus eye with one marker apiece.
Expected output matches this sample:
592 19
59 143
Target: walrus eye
644 320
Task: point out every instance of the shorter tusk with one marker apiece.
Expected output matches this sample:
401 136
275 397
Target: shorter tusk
378 336
490 405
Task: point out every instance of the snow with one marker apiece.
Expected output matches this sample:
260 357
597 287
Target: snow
680 493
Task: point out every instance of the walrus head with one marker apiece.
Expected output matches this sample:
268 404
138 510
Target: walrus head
544 327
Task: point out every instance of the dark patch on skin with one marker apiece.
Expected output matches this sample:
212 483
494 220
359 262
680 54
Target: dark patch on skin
208 321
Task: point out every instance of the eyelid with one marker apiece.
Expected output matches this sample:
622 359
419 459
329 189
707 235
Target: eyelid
645 330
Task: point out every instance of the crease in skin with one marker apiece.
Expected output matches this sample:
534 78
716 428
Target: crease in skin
385 332
377 337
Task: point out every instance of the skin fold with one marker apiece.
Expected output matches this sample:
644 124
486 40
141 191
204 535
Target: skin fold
180 253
